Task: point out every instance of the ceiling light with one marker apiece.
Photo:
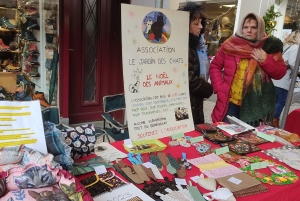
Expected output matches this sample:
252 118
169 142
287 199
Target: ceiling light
229 5
221 6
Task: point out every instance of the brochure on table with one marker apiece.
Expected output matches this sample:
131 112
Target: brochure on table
155 70
21 123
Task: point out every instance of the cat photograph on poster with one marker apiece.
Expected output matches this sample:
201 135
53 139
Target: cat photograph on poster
156 27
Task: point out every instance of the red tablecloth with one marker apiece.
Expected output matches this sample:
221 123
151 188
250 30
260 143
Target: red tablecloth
289 192
293 122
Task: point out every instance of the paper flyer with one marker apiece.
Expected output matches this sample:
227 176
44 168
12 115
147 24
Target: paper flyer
155 71
21 123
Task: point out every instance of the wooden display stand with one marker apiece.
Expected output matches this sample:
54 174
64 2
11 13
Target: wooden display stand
8 81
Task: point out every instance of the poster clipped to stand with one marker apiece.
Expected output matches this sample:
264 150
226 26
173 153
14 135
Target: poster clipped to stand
155 70
21 123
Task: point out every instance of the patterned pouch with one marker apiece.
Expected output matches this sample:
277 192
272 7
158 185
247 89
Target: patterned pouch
98 184
82 139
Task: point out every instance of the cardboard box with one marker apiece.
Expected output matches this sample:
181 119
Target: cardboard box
8 81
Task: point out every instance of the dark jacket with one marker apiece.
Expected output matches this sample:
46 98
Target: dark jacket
199 87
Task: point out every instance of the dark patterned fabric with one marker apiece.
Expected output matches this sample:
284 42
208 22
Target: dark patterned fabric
82 140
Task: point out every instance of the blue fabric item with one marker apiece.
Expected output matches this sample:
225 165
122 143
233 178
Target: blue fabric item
65 161
203 58
57 147
281 95
233 110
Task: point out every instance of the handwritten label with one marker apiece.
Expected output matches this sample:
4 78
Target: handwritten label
101 169
180 181
234 180
128 143
196 139
222 150
259 165
266 136
177 135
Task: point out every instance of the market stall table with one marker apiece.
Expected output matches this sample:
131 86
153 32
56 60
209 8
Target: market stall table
275 193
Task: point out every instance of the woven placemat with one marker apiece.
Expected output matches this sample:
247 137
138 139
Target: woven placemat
260 188
244 181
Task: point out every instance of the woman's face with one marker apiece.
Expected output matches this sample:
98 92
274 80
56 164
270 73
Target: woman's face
250 29
195 27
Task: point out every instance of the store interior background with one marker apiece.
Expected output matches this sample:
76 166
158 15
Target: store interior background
227 10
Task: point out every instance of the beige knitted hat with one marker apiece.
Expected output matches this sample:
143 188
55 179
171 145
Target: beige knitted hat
260 26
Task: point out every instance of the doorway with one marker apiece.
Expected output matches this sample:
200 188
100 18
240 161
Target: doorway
95 57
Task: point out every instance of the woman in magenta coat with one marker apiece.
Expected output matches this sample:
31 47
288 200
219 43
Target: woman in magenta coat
241 74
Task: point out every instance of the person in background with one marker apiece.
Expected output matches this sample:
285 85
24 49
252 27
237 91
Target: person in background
198 61
241 74
289 54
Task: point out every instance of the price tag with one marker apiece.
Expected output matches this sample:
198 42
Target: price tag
147 165
234 180
222 150
100 169
180 181
177 135
266 136
50 27
196 139
51 53
128 143
259 165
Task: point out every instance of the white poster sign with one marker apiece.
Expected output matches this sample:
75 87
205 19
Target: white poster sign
21 123
155 70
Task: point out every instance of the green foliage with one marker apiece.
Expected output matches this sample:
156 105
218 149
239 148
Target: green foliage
270 20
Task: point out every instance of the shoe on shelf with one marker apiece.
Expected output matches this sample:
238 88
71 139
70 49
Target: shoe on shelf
13 67
3 47
5 24
33 49
40 96
32 3
5 63
28 35
11 3
32 24
31 12
14 45
34 72
32 60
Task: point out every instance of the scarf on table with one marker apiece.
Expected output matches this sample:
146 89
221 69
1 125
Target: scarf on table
258 101
203 58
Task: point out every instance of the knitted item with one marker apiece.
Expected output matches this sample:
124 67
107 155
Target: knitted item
173 161
163 158
181 172
155 160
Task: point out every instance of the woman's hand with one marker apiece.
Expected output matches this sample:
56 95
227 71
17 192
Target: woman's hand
259 54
